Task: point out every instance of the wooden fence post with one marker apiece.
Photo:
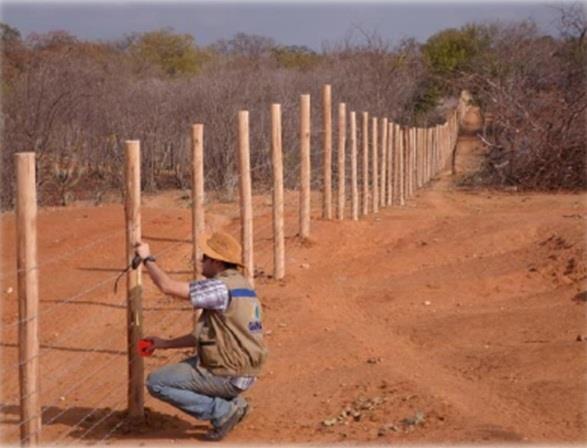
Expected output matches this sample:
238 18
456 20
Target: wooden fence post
327 148
28 299
305 168
277 162
420 157
365 163
390 156
414 159
134 282
198 220
375 149
403 164
341 160
354 181
417 148
246 196
383 180
396 164
425 156
408 161
436 160
429 153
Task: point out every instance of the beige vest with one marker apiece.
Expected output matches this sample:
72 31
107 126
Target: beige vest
230 342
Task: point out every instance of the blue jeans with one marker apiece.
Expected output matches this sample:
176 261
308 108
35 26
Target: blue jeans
195 390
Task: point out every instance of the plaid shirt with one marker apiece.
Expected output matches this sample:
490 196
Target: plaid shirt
212 294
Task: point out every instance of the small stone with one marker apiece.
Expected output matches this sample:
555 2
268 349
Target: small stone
329 422
427 302
378 400
389 427
9 290
305 266
374 360
62 398
417 419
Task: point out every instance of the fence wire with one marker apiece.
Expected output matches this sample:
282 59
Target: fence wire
262 256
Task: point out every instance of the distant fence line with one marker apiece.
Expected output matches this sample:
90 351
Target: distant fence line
386 166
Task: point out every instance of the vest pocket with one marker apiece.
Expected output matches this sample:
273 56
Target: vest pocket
209 354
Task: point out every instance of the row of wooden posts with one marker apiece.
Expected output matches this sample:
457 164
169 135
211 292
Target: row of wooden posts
401 158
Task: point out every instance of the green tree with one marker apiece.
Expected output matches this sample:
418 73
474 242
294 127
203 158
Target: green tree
13 55
451 51
8 34
175 54
295 57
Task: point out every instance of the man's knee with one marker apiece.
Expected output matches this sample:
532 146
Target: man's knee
155 383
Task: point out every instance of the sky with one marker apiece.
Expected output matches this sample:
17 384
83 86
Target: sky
309 23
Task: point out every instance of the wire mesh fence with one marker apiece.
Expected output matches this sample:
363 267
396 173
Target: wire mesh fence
378 164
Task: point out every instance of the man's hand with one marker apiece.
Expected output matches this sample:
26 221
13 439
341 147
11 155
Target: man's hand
143 250
157 342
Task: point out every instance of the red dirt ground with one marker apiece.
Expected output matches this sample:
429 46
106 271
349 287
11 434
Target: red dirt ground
458 318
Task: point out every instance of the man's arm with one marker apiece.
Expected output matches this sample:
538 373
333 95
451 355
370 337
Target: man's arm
185 341
165 283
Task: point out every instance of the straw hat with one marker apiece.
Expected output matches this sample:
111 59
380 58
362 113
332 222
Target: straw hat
221 246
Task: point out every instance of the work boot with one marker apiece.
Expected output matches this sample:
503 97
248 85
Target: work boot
238 413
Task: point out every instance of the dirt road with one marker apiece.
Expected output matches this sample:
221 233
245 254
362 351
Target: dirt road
458 318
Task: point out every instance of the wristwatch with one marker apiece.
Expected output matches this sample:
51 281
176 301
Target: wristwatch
149 258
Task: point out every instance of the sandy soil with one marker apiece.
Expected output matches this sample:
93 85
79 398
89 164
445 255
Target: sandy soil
458 318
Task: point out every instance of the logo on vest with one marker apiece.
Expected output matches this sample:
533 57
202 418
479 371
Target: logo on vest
255 326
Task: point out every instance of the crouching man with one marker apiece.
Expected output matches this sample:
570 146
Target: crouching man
227 337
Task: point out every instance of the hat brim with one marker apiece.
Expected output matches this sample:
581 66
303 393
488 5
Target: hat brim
209 252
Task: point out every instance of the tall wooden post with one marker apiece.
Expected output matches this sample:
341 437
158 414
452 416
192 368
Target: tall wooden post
375 148
402 165
341 160
415 160
396 164
246 195
426 132
327 149
416 152
305 168
134 282
354 181
277 161
365 163
28 299
407 147
436 148
390 157
419 145
198 221
429 149
383 180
